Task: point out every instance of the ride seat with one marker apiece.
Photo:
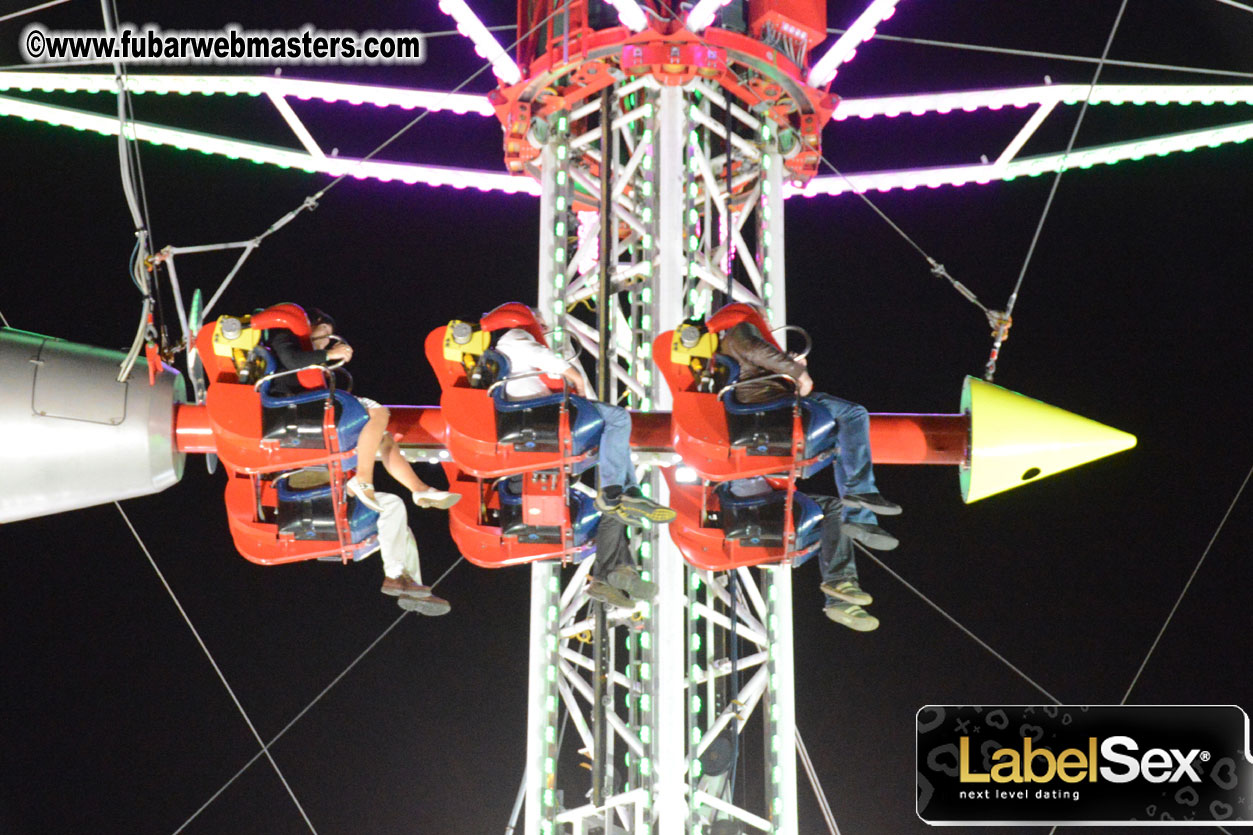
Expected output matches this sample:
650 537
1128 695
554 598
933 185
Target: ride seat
310 514
766 428
532 424
582 508
295 420
758 520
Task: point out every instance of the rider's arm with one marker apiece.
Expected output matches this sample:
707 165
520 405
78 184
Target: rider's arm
747 342
288 352
575 379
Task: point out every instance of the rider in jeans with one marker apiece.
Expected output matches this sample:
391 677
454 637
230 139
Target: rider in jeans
854 472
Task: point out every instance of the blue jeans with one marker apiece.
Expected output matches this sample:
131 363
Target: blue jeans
836 559
854 472
614 457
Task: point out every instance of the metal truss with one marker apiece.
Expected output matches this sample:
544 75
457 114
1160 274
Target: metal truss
696 192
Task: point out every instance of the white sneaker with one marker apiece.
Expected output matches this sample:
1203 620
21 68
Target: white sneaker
441 499
364 493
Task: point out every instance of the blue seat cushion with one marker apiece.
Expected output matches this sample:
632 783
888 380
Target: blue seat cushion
758 520
296 420
531 423
309 514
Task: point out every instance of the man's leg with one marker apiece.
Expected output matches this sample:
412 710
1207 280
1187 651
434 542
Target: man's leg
397 548
399 553
614 457
860 523
854 471
844 596
619 492
836 559
615 579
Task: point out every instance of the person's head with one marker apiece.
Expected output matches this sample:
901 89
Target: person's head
321 326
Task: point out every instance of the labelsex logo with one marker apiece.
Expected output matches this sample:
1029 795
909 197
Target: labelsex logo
1039 765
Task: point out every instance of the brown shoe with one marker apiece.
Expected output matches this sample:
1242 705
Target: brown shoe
404 585
430 605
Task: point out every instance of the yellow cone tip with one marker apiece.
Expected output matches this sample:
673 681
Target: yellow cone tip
1015 440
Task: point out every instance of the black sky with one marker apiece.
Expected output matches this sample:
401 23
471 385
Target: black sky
112 719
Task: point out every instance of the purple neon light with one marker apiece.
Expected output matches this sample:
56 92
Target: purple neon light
982 174
972 100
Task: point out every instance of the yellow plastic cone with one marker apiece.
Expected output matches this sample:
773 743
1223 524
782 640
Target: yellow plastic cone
1015 440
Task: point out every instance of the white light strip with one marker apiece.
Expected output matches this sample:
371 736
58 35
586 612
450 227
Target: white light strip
297 126
1026 132
496 181
702 14
960 175
411 173
845 48
972 100
630 14
252 85
485 44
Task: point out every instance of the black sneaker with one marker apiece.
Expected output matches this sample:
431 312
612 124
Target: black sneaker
874 502
872 536
605 593
628 579
634 507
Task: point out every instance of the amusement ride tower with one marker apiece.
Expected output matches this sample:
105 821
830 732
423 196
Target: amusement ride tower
662 147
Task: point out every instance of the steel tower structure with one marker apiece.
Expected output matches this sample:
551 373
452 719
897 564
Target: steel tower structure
662 158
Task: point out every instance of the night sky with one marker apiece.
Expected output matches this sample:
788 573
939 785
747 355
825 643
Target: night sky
112 718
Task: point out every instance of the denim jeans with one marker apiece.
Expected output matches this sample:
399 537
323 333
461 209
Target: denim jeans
854 472
614 458
836 559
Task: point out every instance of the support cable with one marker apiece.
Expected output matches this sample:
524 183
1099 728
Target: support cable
956 623
131 187
604 382
1056 56
937 269
309 706
832 827
221 676
1001 328
320 193
311 201
733 582
12 15
1187 585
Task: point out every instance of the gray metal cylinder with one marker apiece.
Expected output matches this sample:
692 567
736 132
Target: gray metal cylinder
72 436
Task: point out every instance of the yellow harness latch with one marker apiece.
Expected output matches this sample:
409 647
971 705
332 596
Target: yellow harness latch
232 337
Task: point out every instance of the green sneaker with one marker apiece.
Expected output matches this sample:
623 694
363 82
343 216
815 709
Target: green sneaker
852 616
848 591
604 593
628 579
634 506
